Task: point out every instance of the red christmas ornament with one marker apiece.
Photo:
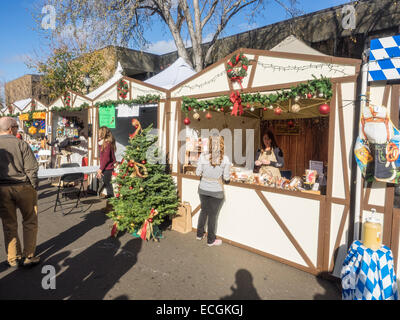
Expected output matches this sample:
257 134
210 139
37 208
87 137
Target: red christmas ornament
248 106
190 108
208 115
290 124
324 109
265 108
117 195
130 188
186 121
309 95
150 220
144 162
278 111
222 109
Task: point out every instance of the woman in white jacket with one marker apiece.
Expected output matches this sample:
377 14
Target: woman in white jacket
213 167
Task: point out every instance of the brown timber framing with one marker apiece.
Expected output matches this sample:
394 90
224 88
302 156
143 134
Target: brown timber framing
395 224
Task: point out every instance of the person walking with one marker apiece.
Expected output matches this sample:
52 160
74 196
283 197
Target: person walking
107 160
213 167
18 189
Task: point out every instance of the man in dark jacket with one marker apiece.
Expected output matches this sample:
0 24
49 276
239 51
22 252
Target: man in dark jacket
18 185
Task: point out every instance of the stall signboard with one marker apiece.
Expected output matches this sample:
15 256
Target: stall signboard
377 148
107 117
286 130
384 59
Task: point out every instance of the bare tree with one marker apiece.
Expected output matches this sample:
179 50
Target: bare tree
122 22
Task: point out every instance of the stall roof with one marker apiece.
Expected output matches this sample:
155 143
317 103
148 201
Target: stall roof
292 44
177 72
22 104
117 76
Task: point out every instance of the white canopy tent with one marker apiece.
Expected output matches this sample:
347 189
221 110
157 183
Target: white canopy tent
117 76
177 72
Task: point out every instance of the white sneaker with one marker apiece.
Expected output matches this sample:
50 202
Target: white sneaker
217 242
200 238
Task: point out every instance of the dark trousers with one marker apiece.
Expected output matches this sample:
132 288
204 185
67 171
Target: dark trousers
210 208
105 182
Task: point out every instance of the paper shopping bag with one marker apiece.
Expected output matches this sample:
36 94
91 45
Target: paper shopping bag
182 222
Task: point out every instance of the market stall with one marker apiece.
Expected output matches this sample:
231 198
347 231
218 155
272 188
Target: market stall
33 122
69 131
308 101
120 100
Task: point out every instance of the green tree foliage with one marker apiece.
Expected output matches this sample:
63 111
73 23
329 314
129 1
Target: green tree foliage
136 195
65 69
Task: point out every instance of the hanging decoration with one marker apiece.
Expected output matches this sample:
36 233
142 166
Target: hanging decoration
237 68
67 99
262 101
377 148
136 124
278 111
32 130
122 88
186 121
237 103
39 115
324 109
295 108
24 117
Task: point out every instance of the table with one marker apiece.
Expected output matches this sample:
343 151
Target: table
58 172
368 274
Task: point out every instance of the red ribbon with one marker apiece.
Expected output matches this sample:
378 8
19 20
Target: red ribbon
238 79
237 103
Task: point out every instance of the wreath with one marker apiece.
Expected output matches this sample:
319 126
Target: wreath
122 89
235 73
67 99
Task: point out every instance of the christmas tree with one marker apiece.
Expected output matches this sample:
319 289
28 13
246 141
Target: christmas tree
145 194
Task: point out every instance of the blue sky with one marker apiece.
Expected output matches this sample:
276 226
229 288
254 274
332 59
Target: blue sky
18 38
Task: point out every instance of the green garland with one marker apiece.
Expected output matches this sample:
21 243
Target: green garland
317 87
149 98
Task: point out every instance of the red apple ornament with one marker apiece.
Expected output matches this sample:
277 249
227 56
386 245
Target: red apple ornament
278 111
186 121
324 109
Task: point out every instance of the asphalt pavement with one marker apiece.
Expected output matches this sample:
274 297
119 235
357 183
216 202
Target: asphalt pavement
89 264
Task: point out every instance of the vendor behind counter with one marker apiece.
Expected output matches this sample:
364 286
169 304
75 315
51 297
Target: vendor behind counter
269 159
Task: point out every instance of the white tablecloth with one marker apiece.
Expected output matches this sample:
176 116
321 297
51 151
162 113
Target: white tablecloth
50 173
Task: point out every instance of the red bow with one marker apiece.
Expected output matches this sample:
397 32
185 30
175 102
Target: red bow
237 103
146 231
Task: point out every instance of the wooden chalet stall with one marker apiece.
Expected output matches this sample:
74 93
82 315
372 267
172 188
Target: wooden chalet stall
138 100
301 229
30 110
70 117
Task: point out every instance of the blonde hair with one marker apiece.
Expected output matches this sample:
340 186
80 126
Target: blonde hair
216 149
106 135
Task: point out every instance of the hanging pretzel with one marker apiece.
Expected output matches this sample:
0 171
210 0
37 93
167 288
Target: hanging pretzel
137 125
392 152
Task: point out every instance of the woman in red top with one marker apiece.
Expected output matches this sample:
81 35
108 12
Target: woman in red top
107 150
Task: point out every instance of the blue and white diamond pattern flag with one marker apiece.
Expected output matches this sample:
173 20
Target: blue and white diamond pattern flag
384 60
